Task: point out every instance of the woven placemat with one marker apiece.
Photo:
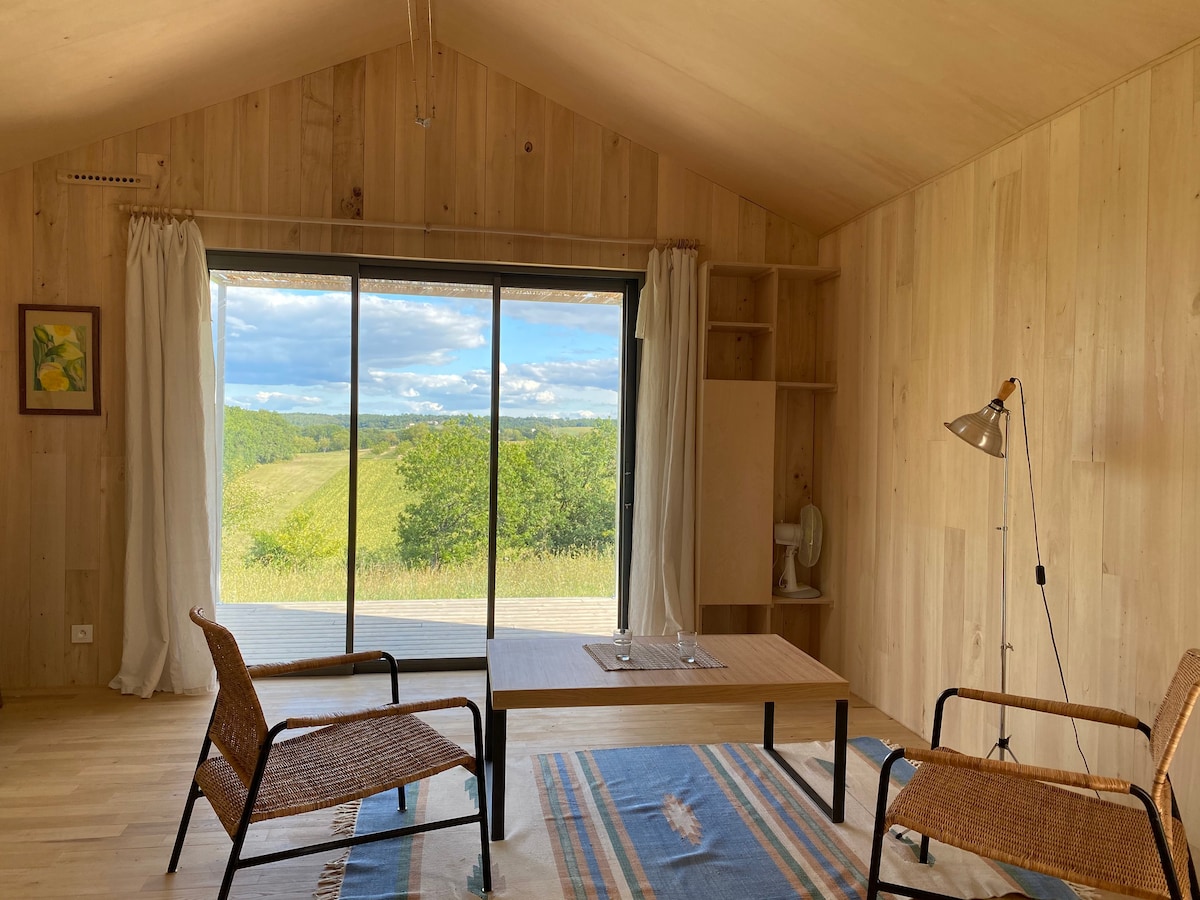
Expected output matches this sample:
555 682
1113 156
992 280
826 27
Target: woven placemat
650 656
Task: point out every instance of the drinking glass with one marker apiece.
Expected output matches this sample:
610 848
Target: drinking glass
623 641
687 645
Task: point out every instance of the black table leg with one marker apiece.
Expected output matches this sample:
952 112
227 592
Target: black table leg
497 727
836 811
841 721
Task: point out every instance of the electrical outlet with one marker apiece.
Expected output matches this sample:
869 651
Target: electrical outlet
81 634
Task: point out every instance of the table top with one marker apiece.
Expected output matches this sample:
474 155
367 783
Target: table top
538 673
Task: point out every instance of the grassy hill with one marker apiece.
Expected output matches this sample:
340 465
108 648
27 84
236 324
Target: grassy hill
315 487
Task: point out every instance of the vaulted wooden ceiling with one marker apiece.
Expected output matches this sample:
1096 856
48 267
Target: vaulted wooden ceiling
816 109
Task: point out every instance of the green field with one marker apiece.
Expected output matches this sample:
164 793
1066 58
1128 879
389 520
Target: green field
307 498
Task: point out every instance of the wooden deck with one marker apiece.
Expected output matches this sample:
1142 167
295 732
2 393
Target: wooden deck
408 629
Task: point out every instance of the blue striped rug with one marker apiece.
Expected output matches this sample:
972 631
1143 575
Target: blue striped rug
715 822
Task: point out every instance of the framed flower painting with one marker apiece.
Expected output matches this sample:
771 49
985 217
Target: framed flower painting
59 359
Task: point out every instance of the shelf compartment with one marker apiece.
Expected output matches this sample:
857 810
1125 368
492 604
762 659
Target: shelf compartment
823 600
818 387
746 327
785 272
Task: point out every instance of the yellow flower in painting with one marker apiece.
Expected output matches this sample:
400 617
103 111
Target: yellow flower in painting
62 334
51 377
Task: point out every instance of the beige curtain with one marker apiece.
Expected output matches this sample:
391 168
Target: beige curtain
662 580
170 474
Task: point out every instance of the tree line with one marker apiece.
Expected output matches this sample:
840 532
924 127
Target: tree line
557 485
255 437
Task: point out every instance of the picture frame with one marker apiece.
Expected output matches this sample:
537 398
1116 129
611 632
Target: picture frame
59 359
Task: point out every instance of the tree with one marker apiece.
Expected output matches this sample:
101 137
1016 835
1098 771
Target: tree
578 487
296 544
557 493
254 437
327 437
448 470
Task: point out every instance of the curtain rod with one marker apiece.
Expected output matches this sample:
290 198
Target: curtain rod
689 243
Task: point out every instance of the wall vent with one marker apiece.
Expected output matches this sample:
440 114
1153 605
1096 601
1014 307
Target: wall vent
106 179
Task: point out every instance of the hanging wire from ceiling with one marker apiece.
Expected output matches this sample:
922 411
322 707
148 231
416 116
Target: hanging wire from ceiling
427 120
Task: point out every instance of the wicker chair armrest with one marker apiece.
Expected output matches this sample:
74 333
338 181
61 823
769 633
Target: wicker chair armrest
1054 707
942 757
266 670
375 712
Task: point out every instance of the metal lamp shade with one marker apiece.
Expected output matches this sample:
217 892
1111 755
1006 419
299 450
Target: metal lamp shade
981 429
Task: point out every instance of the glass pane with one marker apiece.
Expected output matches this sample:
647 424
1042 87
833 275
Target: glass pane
283 367
424 422
559 398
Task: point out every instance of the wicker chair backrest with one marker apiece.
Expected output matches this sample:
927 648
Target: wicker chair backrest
239 727
1169 724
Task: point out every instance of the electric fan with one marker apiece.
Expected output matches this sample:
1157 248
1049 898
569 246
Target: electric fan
802 541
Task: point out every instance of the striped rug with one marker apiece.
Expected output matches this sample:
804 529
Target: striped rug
717 822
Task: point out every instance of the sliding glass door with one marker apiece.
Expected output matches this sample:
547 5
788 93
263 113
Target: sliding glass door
283 353
559 402
443 455
424 424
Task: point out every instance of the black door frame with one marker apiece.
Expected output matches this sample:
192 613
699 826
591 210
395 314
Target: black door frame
498 276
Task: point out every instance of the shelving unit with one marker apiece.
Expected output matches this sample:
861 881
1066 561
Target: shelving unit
758 400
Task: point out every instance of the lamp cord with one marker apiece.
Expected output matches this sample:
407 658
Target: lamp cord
1041 576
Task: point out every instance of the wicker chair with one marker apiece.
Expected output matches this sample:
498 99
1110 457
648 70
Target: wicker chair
1020 814
342 757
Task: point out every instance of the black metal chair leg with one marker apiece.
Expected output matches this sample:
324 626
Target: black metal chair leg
230 870
1160 843
194 794
1195 887
235 853
485 844
402 798
924 848
885 779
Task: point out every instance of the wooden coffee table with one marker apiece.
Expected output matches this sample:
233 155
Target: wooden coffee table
556 673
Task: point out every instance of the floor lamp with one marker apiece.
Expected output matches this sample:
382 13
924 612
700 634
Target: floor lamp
982 431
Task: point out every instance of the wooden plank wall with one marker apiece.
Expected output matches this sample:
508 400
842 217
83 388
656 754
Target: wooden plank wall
1068 258
340 142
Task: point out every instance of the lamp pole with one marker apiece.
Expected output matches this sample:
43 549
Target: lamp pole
1005 646
982 431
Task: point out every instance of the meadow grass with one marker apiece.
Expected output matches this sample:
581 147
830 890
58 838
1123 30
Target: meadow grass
285 485
319 484
585 575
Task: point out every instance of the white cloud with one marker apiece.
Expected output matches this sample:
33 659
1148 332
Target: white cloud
383 391
279 400
290 351
237 326
590 317
276 336
593 373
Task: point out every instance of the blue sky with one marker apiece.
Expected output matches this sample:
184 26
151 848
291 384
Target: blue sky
289 351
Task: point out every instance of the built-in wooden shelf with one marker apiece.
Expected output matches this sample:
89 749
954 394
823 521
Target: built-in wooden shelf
745 327
801 601
814 274
761 329
815 386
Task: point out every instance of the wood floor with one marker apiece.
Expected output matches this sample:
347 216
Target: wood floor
92 783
